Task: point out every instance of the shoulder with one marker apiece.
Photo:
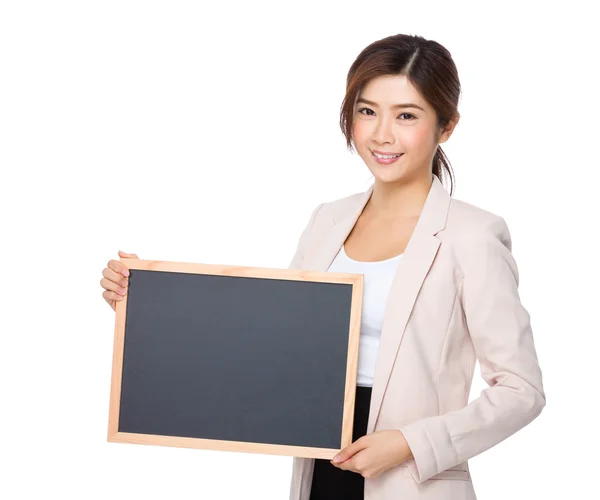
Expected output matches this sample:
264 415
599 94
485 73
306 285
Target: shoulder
465 220
480 239
467 223
333 210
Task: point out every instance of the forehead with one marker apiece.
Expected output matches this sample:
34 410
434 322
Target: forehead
387 90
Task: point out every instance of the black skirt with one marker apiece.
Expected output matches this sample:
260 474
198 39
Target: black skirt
331 483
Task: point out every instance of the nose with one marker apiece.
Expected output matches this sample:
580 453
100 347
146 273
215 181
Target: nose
383 132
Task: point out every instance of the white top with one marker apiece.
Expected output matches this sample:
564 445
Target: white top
378 278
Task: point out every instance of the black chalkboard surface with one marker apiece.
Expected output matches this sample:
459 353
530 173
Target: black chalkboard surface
236 358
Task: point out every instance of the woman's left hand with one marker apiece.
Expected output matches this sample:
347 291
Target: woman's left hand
374 453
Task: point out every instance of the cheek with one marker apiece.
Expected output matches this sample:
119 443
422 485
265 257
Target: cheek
419 138
359 131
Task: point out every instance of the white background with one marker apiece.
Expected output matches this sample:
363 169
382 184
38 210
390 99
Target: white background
207 133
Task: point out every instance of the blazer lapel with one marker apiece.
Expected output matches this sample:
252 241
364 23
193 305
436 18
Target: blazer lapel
321 256
412 269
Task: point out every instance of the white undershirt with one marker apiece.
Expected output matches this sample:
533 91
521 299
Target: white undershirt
378 278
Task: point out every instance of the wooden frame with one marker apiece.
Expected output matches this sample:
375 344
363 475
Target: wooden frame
356 280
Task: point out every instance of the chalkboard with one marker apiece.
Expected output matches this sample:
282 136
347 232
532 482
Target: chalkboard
234 358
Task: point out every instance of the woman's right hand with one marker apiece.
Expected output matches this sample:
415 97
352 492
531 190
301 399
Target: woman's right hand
115 280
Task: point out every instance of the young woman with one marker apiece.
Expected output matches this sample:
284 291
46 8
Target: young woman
440 291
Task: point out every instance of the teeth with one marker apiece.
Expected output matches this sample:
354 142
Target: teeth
385 157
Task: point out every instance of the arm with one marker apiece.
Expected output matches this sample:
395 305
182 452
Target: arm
500 330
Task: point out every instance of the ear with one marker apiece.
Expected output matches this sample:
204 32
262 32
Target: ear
448 129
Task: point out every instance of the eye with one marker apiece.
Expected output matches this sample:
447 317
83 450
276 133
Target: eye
401 114
363 109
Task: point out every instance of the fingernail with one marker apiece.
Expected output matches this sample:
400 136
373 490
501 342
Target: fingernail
125 272
336 458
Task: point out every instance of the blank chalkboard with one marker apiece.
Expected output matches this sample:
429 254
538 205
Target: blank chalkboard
234 358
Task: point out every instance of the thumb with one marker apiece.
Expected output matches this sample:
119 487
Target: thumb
349 451
127 255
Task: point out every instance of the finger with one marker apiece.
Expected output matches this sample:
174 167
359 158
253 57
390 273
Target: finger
112 286
127 255
349 450
114 276
117 267
346 465
110 296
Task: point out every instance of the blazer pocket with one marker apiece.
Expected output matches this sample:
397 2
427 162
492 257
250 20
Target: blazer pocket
445 474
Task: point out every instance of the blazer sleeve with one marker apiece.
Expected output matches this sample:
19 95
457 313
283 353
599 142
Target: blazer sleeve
500 329
301 245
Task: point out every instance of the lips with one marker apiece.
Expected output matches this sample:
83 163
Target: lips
383 153
386 161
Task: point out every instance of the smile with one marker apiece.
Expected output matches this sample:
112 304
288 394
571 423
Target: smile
386 159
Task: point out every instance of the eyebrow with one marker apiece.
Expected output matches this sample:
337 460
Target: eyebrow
395 106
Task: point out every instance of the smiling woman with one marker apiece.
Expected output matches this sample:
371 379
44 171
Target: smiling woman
440 291
402 99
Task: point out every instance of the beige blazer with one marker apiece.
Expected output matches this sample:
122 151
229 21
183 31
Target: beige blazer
454 298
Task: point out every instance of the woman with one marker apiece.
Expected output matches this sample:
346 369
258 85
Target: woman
440 290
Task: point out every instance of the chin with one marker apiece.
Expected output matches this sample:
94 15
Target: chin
388 177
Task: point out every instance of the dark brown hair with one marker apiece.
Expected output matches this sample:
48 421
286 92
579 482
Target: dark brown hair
426 64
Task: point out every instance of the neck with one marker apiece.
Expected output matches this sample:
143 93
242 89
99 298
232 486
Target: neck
400 199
